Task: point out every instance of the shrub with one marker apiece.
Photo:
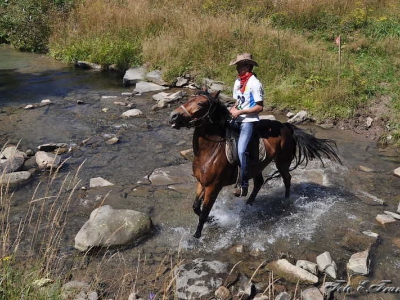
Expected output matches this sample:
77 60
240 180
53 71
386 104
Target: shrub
26 24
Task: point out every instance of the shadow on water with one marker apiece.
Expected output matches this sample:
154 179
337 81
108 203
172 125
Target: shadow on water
18 88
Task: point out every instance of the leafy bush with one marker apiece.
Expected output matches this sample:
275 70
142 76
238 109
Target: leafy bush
26 24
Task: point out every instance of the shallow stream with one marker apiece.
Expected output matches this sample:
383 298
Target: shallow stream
326 202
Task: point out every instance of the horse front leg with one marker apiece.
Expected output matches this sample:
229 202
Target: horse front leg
198 199
258 182
210 195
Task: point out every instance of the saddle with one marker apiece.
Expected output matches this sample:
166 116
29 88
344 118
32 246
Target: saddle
256 147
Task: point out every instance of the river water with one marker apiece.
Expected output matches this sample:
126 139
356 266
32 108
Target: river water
325 202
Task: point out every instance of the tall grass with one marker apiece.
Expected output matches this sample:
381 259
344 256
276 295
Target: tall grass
30 247
292 40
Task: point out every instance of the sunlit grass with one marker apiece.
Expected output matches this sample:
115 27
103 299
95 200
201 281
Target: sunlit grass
292 41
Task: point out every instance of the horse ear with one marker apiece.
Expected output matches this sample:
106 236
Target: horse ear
215 95
204 89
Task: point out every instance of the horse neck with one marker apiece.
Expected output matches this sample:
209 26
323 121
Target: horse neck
208 136
215 130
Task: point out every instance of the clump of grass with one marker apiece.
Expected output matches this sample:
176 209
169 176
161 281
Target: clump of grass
39 234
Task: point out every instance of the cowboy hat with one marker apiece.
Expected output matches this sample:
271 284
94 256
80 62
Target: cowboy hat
245 58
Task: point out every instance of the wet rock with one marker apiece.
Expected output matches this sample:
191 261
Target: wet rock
156 77
371 199
290 115
371 234
327 125
283 296
45 102
396 172
99 182
12 151
29 152
290 272
133 76
46 160
50 147
308 266
145 87
214 86
222 293
199 279
312 294
385 219
365 169
11 160
326 264
246 288
356 241
359 263
172 175
78 290
111 227
392 214
163 99
181 81
112 141
15 179
299 118
87 65
132 113
188 154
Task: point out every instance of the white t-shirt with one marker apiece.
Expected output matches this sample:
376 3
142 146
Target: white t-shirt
253 93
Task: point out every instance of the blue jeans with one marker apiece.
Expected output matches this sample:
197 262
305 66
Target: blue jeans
246 132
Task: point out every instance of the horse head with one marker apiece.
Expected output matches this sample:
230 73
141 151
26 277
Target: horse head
196 111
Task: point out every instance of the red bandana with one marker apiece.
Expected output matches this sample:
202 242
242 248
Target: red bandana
243 80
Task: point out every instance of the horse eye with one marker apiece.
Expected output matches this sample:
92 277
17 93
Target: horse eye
201 104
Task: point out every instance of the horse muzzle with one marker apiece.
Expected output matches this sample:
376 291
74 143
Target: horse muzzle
175 119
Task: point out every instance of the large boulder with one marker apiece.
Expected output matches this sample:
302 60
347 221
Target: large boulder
11 160
290 272
134 75
14 179
199 279
145 87
46 160
111 227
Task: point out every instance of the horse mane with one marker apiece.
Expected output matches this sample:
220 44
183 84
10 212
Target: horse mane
221 112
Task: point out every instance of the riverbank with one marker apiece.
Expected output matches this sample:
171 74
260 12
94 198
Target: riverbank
328 204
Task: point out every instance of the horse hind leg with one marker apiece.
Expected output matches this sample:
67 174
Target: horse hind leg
283 168
258 182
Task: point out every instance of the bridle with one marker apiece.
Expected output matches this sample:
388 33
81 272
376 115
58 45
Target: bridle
206 117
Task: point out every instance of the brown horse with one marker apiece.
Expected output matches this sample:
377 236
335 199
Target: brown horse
284 143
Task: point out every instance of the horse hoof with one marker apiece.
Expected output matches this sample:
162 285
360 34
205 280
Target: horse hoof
197 235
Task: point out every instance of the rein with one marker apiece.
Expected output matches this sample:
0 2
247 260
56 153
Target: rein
211 109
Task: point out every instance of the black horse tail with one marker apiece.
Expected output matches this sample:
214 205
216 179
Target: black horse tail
308 147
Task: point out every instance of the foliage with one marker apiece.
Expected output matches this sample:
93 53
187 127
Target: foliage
25 24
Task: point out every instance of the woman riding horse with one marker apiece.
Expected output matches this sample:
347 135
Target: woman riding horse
283 142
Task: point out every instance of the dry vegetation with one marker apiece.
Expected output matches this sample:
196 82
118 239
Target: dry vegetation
293 41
